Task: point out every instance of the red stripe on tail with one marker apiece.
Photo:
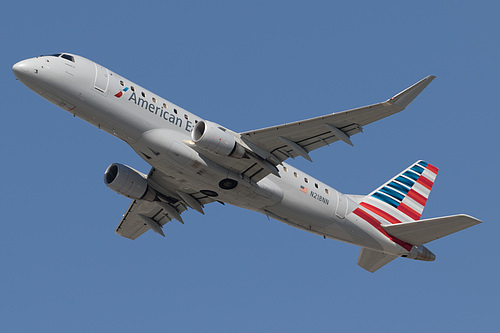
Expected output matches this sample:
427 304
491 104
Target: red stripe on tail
375 223
408 211
381 213
417 197
432 168
425 182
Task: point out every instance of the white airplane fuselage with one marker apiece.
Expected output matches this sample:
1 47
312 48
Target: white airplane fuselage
160 132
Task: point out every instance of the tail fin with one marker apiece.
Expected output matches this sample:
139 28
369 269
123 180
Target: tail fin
403 198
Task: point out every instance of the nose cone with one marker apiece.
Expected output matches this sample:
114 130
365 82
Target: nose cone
22 69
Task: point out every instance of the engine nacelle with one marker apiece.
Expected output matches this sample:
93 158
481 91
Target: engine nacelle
216 139
128 182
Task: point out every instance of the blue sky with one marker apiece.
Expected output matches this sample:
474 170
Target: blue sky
248 65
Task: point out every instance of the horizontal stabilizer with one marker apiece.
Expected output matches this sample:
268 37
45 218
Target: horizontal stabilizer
373 260
425 231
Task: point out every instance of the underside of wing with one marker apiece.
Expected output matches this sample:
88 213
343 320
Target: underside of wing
134 224
170 203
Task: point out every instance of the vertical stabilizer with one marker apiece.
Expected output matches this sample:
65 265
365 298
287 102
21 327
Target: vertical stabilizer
403 198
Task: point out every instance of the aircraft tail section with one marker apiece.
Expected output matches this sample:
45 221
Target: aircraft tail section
395 209
373 260
425 231
403 198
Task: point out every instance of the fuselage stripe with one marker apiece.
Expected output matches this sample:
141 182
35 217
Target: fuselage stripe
376 224
408 211
381 213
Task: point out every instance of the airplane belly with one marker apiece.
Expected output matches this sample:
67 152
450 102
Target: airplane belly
169 152
307 211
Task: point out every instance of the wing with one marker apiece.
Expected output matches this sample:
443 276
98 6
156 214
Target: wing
299 138
144 215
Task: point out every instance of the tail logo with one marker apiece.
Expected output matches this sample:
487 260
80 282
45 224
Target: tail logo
408 192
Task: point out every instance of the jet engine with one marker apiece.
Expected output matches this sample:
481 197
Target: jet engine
128 182
216 139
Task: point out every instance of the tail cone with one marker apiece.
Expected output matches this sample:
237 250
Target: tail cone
421 253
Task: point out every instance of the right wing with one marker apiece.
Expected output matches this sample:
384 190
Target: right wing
144 215
268 147
299 138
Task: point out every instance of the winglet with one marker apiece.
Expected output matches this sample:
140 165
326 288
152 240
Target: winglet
409 94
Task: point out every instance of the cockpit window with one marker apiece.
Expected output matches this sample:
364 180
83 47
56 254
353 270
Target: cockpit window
68 57
62 55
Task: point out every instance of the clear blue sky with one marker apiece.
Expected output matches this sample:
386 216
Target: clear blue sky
248 65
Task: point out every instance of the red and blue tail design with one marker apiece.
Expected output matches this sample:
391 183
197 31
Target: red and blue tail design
403 198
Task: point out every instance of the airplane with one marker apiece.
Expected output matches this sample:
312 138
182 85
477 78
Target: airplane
195 162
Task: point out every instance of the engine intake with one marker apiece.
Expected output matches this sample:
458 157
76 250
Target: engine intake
216 139
128 182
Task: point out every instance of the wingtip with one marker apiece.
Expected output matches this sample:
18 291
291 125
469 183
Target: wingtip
405 97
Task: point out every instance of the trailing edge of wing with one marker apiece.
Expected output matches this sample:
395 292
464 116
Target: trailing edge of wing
133 223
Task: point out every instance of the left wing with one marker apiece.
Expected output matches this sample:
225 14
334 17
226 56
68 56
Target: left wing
299 138
143 215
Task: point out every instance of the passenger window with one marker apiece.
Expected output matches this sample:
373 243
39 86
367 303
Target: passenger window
175 111
295 174
143 94
123 84
165 105
154 100
186 117
132 87
327 191
285 169
306 180
316 185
